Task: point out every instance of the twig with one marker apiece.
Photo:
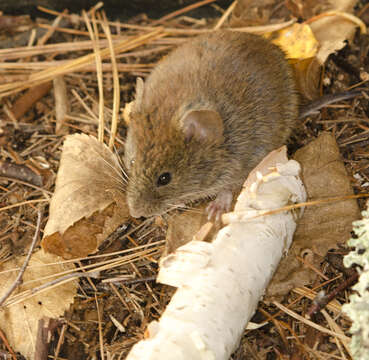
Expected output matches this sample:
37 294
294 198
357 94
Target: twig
321 301
129 282
20 172
18 280
62 104
101 339
7 345
23 203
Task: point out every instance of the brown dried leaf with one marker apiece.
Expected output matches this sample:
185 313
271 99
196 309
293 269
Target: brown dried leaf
20 321
322 227
308 77
181 229
88 203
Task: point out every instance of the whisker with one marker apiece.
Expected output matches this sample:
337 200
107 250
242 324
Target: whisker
120 163
123 179
186 208
118 180
115 170
110 165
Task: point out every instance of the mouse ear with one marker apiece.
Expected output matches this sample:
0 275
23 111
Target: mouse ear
203 125
139 93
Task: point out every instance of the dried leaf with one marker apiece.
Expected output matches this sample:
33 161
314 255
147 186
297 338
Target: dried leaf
307 73
88 203
297 41
300 46
322 227
181 229
332 32
20 321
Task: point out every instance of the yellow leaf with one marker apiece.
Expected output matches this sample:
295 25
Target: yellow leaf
297 41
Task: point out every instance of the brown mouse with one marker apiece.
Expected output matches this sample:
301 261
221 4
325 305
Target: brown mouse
205 116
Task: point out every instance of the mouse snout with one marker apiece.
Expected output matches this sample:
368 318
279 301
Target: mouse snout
134 213
143 206
134 209
139 205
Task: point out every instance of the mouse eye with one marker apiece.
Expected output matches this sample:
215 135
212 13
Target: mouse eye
164 179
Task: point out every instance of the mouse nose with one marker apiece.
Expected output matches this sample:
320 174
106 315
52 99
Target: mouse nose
134 210
134 213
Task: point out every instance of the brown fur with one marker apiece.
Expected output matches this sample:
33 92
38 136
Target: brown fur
246 80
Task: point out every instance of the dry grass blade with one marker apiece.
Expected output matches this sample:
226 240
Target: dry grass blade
70 275
308 322
337 329
239 214
116 100
225 16
94 34
21 52
51 30
77 64
41 65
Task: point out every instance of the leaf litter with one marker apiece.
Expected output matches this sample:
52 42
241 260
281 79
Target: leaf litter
133 300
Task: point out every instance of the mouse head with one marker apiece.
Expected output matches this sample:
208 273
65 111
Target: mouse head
171 160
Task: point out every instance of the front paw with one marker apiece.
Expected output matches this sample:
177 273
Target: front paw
220 205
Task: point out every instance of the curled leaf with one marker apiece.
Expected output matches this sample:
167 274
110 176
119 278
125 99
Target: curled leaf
88 202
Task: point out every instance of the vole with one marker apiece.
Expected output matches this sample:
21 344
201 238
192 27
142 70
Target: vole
205 116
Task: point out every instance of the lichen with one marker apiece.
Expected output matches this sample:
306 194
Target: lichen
358 307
